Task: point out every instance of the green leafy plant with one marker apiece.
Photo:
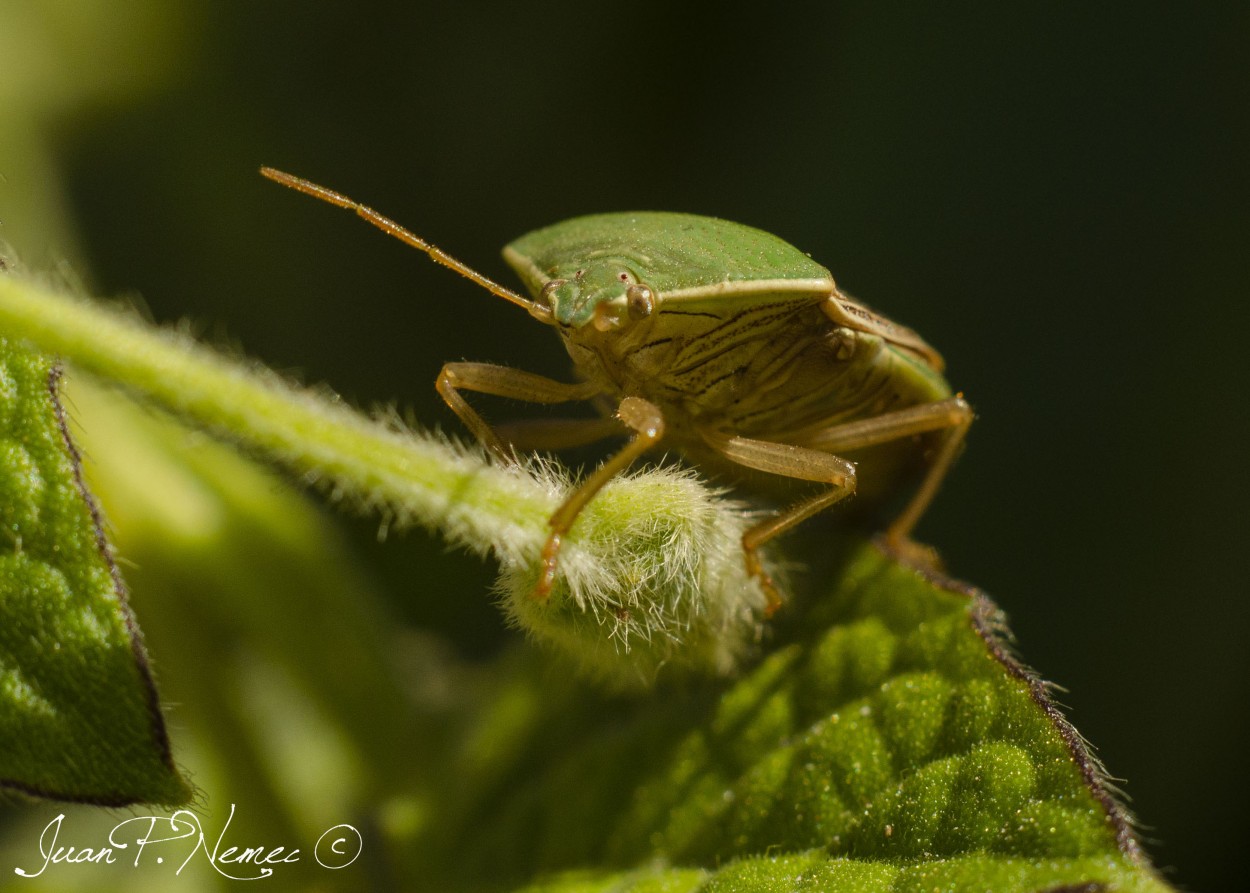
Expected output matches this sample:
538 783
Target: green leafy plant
879 736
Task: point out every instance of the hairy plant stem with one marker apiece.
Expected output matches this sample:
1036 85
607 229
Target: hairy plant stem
654 558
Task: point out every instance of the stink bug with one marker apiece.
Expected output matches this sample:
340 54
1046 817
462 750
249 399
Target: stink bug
720 340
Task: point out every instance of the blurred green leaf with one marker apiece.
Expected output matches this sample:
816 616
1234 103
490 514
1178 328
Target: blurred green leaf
269 635
79 717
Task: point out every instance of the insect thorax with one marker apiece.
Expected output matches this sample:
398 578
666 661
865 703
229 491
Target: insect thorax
759 370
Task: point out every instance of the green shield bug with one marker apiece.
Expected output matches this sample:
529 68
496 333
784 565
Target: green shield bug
717 339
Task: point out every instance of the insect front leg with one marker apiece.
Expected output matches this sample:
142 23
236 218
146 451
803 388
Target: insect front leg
500 381
789 461
647 422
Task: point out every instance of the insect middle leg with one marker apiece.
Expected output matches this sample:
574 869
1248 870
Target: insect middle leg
790 461
805 463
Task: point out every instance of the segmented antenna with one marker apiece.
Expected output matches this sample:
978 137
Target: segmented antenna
535 309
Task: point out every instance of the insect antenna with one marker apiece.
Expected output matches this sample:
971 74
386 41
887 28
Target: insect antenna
438 255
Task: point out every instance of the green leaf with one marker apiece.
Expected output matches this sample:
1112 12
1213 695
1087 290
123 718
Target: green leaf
889 742
79 717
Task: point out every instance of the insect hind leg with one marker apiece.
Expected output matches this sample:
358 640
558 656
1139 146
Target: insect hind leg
952 416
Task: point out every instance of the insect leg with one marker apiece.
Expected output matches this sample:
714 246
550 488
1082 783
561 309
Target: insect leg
647 422
953 416
486 378
791 461
556 434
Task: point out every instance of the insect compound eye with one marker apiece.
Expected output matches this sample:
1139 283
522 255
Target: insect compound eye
639 301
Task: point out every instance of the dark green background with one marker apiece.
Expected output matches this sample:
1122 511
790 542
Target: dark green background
1056 198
